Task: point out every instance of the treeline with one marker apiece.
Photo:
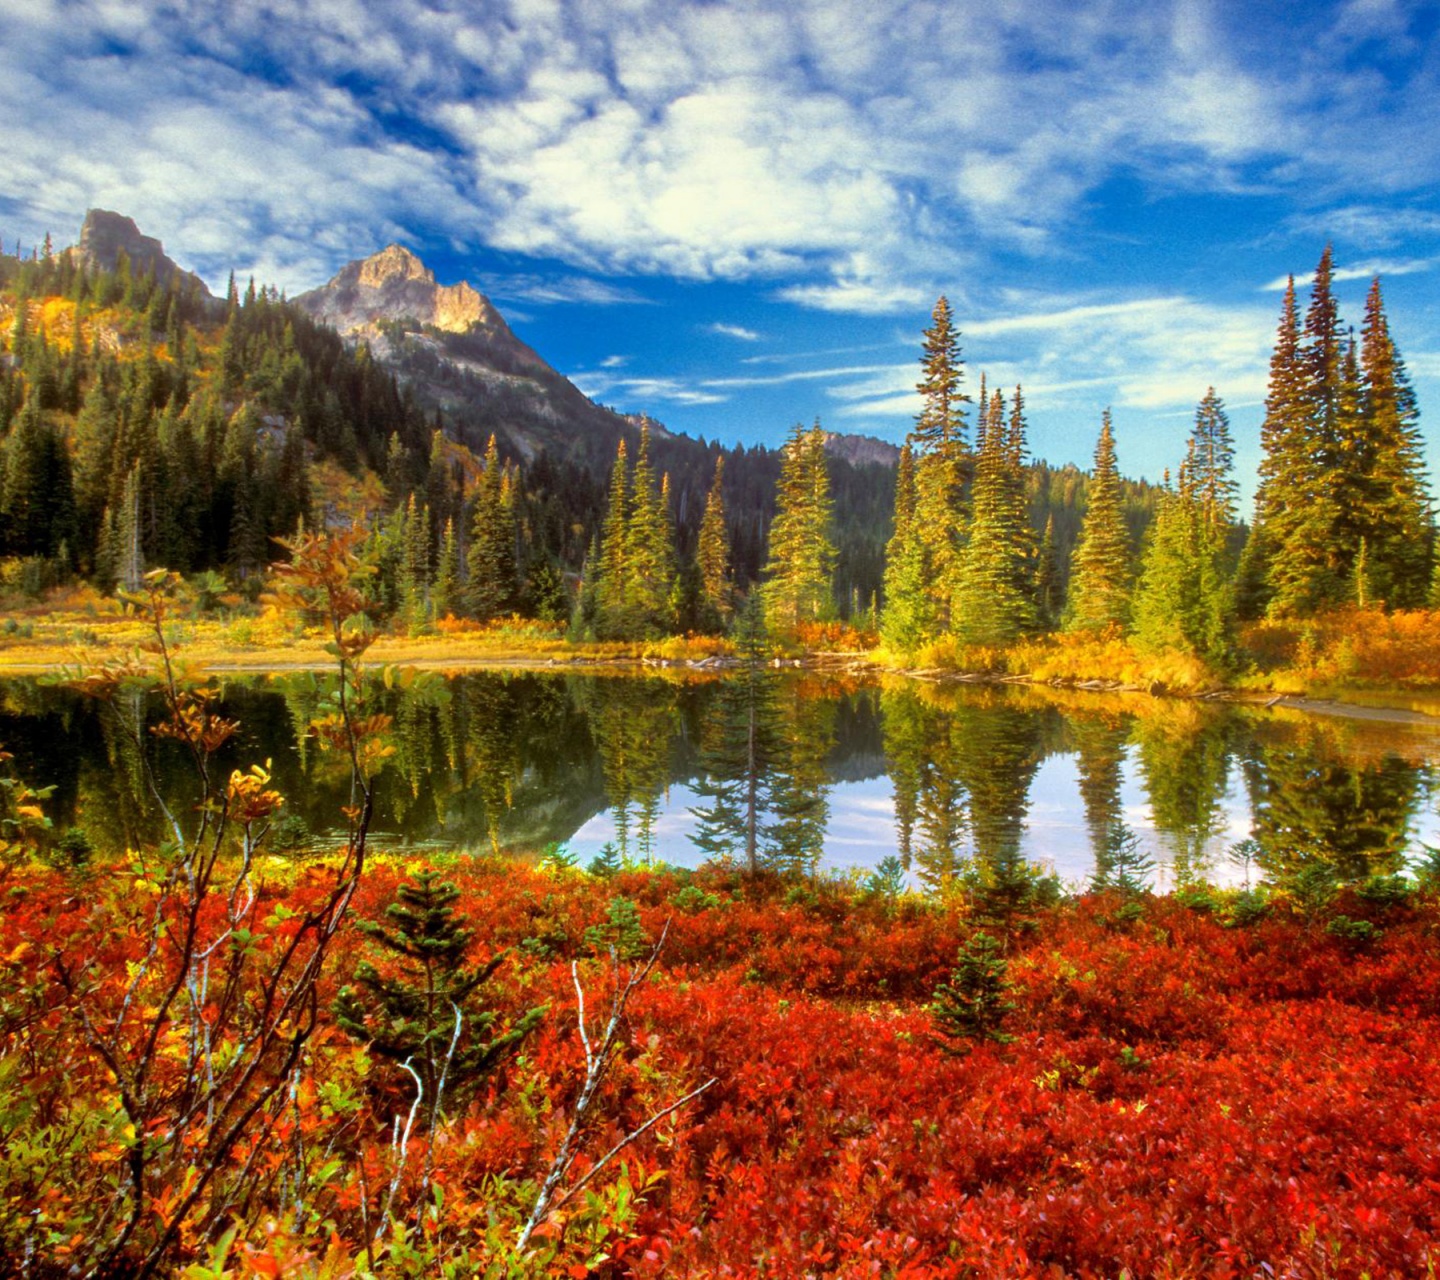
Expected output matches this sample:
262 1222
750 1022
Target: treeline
1342 515
144 423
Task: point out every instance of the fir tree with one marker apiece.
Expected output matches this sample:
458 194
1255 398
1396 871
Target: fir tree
1393 502
712 557
973 1004
649 580
801 562
1302 476
994 597
941 459
427 1012
907 618
1100 578
414 577
446 591
612 615
1184 599
1047 579
491 556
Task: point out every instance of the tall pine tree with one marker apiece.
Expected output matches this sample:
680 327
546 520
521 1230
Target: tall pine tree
801 562
1101 570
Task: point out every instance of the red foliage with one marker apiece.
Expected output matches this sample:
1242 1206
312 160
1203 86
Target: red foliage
1179 1098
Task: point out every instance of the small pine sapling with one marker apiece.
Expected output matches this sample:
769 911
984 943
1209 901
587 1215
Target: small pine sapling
621 933
427 1014
973 1004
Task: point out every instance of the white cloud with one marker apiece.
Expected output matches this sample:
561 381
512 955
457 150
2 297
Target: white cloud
1359 271
637 393
737 331
856 297
561 289
856 153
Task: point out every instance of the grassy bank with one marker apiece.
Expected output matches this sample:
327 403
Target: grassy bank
1364 657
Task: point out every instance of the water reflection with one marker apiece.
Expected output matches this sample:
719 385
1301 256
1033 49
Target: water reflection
959 781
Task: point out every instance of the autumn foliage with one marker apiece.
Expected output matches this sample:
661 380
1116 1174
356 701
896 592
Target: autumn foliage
1178 1095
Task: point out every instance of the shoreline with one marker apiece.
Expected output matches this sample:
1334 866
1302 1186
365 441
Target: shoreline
819 662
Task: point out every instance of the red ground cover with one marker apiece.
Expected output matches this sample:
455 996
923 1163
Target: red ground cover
1180 1098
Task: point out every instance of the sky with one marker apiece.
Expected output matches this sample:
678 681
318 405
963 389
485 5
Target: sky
736 216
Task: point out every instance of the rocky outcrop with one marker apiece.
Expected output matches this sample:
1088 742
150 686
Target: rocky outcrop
394 286
105 235
861 450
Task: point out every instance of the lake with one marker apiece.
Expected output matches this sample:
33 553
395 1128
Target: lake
800 772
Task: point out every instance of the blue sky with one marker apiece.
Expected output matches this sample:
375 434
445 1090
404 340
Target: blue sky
734 216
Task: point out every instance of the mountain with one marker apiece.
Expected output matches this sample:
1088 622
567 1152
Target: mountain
861 451
455 350
105 235
394 286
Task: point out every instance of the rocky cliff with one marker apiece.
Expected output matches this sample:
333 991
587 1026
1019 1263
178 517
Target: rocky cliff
105 235
395 287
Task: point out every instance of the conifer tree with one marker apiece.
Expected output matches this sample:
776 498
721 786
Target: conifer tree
427 1010
973 1004
491 557
413 579
1393 502
713 556
1101 573
941 458
1047 579
446 592
907 618
801 562
1184 599
1302 476
611 613
1212 467
994 598
649 580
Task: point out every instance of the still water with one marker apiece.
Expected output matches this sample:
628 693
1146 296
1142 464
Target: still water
793 771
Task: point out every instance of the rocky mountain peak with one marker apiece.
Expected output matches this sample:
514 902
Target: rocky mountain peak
105 235
394 262
395 285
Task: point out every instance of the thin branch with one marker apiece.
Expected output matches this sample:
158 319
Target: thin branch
628 1139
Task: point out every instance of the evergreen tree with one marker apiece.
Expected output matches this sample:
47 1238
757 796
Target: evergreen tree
648 586
1101 571
972 1005
492 543
1184 599
802 551
426 1011
1047 579
907 618
1392 503
1213 460
1302 476
612 614
414 570
713 557
994 597
445 594
941 459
